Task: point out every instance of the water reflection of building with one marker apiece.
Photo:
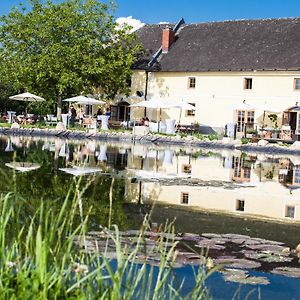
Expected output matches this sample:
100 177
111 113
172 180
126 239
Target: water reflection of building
117 159
231 182
241 170
243 187
289 172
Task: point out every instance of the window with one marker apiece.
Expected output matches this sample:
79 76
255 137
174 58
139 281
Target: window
240 205
184 198
186 169
241 172
192 111
290 211
297 175
297 84
247 83
192 82
244 118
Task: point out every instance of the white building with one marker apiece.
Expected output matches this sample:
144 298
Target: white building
232 71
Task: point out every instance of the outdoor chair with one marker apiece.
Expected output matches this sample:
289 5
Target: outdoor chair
51 120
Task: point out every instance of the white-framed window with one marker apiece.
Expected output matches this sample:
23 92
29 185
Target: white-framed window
191 112
297 84
248 83
244 118
184 198
290 211
191 82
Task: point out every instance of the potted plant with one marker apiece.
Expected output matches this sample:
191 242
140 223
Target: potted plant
274 118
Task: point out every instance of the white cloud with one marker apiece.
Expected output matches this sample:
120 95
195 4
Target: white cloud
134 23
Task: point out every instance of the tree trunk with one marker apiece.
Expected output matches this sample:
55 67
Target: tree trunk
59 106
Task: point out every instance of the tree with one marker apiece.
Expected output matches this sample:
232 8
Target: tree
59 50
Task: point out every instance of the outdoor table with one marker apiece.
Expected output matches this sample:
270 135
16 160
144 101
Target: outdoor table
11 115
65 120
170 126
157 127
269 133
104 122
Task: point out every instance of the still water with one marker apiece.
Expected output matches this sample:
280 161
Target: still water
243 207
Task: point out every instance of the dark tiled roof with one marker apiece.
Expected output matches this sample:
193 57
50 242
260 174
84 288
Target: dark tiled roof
226 46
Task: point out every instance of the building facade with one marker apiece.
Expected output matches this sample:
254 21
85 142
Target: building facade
232 72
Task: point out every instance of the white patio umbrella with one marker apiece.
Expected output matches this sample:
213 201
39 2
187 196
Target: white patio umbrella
91 101
182 105
153 103
84 100
23 166
80 171
28 97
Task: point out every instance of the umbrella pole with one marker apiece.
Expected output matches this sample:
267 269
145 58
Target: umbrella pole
180 115
263 124
159 119
26 108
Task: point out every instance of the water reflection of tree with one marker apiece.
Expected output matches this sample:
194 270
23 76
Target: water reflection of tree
48 185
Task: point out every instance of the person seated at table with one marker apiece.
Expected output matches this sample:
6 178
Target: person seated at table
4 117
81 116
142 121
108 113
21 119
146 122
98 115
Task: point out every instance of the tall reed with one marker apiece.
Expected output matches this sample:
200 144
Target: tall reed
44 256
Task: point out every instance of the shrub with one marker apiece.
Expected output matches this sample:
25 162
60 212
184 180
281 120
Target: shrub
245 141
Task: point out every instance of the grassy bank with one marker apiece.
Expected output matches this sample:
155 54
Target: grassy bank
44 256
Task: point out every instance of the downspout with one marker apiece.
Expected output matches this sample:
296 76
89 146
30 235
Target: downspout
146 90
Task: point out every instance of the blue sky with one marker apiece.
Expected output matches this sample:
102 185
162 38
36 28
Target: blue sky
193 11
154 11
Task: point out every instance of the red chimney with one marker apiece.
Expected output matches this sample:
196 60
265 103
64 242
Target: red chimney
168 37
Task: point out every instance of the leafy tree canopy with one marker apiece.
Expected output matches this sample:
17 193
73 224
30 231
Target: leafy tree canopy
58 50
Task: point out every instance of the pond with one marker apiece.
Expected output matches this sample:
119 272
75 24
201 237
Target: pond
242 209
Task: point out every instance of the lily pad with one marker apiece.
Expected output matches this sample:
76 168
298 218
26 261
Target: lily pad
211 235
287 271
236 236
241 276
267 247
266 257
238 263
191 237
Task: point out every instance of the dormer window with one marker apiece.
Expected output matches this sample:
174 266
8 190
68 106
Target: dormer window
192 82
247 83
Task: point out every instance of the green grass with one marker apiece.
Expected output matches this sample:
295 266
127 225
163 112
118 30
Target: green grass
43 256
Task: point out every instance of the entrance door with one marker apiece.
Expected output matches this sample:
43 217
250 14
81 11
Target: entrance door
244 118
293 121
120 112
